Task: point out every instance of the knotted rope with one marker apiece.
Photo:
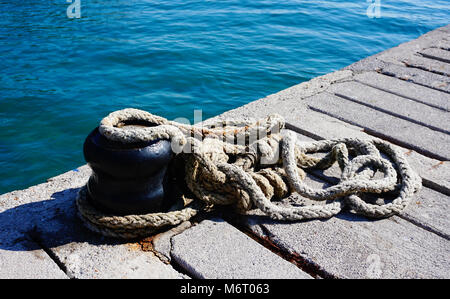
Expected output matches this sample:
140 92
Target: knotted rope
250 164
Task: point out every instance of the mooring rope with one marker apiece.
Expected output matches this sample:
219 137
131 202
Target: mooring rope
267 164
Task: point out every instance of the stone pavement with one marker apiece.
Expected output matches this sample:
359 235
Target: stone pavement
401 95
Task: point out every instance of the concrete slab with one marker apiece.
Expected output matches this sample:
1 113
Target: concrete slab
85 260
417 76
413 136
397 106
215 249
437 54
70 179
429 210
162 243
405 89
350 246
24 260
443 44
408 50
428 64
47 212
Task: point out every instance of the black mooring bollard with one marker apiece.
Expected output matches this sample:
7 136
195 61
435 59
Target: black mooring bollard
128 178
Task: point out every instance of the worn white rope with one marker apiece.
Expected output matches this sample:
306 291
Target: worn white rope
258 175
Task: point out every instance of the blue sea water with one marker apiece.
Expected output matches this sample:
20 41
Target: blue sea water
60 76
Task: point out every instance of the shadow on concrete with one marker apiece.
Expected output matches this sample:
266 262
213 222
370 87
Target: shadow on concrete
47 224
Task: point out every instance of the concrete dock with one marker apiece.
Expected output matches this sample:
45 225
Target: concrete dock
401 95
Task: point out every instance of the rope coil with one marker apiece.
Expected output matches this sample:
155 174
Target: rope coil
249 164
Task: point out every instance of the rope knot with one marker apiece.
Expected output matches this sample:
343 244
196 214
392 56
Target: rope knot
249 164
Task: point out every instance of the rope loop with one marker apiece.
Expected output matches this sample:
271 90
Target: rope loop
251 164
